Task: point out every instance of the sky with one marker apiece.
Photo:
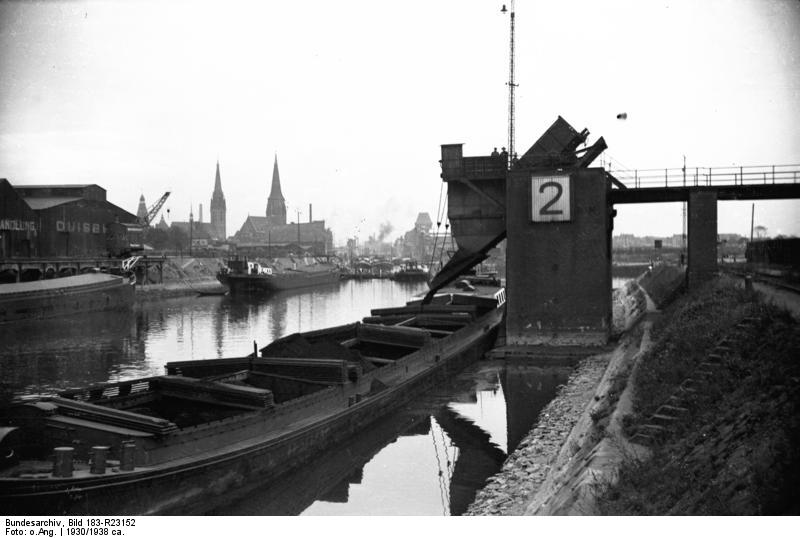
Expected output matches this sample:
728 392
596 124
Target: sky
356 97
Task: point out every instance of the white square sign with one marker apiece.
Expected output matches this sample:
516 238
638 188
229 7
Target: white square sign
550 199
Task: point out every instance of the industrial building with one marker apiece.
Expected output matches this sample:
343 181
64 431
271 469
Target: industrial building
56 221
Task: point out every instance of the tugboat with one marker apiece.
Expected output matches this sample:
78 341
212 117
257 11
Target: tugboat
251 276
411 271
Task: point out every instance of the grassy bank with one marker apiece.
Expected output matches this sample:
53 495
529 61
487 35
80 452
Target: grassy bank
736 447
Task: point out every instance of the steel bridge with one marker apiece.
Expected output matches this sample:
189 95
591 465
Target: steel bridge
766 182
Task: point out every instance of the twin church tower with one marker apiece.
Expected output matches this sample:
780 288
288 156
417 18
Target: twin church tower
276 204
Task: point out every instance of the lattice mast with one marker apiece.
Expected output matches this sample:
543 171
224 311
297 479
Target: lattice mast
511 85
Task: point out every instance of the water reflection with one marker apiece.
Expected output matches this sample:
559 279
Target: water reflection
429 458
426 459
52 355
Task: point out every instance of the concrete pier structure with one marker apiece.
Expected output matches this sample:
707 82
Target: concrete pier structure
702 228
559 258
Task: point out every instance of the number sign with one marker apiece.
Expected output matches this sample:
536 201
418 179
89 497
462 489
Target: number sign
550 199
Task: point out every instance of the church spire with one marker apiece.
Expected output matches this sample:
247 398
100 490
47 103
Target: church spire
218 209
141 212
217 182
276 204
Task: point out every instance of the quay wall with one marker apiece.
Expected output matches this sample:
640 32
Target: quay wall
732 449
563 433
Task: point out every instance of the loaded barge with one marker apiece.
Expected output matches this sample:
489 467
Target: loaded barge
42 299
171 444
249 276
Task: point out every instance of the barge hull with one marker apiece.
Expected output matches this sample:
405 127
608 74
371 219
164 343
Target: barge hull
29 301
277 282
186 487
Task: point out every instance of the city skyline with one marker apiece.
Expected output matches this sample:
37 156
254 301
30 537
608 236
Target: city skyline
143 97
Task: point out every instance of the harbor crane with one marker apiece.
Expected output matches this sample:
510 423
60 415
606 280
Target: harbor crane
154 209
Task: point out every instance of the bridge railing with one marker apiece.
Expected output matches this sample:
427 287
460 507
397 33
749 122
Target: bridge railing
709 176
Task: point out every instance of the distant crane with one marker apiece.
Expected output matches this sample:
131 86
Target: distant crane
511 86
153 211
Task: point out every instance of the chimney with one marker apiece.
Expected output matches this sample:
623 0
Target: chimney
309 214
201 213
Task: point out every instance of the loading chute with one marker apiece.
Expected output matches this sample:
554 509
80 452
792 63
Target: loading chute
476 189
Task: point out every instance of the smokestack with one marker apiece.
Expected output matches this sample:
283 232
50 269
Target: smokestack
201 213
309 214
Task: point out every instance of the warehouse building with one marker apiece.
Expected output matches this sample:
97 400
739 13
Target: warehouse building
57 221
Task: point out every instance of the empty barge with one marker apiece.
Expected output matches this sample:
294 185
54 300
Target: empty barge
172 444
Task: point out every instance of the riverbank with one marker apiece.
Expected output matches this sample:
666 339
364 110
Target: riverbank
181 276
732 447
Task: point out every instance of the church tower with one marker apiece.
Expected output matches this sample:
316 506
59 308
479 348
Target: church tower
276 205
218 209
141 212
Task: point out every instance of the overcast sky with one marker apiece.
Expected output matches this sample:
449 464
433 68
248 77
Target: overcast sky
355 98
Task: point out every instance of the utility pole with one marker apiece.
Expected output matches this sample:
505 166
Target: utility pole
511 86
683 232
191 226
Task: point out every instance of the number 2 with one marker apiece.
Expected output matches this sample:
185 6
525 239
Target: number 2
545 210
550 198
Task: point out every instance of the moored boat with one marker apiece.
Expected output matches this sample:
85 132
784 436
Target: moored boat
164 443
411 271
41 299
251 276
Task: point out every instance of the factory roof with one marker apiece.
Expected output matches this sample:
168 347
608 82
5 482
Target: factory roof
48 201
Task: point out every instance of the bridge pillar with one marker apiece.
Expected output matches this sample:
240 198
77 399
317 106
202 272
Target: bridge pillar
702 228
558 267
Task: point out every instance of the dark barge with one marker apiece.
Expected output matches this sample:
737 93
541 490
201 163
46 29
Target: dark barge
164 444
42 299
243 276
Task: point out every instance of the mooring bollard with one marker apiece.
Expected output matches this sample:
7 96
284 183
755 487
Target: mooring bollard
62 461
99 456
127 460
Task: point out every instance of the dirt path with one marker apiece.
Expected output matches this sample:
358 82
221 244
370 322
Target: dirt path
781 297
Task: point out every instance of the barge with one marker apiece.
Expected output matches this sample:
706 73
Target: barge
248 276
42 299
168 444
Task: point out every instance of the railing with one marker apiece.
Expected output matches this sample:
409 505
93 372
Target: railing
709 177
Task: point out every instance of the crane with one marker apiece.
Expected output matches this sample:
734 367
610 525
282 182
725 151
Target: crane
154 209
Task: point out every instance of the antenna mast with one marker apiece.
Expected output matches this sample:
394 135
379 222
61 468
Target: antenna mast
511 86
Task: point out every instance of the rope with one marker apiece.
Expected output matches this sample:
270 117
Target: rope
439 466
438 223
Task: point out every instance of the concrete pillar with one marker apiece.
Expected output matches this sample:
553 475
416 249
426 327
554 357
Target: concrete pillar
558 272
702 236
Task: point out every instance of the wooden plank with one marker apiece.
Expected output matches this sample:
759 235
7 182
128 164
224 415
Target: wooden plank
425 309
216 393
330 371
113 417
411 337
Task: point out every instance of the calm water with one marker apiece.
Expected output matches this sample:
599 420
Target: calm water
48 356
426 459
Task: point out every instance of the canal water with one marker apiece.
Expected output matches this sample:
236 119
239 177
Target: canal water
428 458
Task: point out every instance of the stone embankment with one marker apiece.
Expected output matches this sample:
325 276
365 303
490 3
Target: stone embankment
559 464
181 276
